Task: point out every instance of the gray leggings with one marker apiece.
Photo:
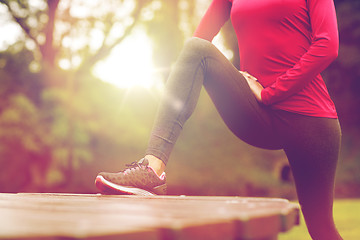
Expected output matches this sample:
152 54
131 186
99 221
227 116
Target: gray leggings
310 143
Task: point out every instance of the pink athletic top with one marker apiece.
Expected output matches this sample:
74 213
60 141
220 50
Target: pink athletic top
285 44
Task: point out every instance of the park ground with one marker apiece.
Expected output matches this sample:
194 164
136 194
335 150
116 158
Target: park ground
347 218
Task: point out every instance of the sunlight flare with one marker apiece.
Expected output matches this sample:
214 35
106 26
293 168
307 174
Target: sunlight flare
130 64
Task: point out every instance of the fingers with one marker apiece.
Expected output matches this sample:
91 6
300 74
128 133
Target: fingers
248 76
254 85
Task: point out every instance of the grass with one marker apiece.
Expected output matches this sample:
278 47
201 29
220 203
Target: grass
347 219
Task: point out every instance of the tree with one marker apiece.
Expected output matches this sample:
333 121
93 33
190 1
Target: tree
52 24
64 40
62 33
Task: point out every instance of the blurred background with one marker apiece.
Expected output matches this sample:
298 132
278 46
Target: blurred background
80 82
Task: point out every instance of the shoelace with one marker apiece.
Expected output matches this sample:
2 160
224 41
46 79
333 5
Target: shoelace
133 166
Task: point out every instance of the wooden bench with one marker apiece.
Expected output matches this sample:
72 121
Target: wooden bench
75 216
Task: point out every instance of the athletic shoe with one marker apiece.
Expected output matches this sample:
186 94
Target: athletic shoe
138 179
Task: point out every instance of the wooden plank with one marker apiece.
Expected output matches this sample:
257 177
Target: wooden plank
46 216
51 216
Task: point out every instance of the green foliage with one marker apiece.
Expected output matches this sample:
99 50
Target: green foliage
68 134
21 144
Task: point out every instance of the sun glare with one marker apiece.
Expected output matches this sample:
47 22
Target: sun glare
130 64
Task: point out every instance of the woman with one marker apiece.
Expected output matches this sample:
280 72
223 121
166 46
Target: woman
277 101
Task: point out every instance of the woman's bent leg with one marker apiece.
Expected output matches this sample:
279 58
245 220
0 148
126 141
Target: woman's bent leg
201 63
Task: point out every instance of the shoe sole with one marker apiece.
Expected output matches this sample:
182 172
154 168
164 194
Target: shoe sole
108 187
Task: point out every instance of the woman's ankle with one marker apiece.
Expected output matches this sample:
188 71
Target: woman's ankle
156 164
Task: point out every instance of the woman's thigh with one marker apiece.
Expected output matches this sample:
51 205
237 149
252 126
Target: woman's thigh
235 102
312 145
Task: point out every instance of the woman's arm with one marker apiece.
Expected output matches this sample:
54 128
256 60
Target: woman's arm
215 17
323 50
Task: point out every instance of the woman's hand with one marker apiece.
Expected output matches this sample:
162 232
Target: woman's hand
254 85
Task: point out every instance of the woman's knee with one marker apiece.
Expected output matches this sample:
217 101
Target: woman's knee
195 41
198 46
